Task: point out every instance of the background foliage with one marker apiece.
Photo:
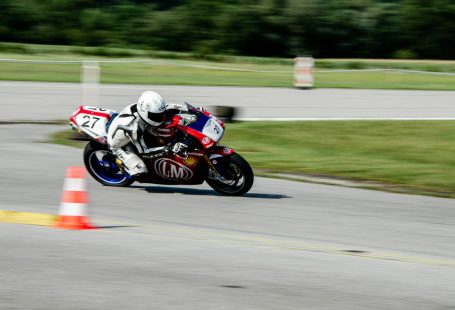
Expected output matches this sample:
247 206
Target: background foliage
322 28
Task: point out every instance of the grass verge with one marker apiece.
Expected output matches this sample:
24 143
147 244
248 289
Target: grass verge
414 156
68 138
192 69
403 156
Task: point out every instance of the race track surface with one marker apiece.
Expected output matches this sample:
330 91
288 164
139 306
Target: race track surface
285 245
50 101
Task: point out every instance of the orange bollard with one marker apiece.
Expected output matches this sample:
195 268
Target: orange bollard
73 206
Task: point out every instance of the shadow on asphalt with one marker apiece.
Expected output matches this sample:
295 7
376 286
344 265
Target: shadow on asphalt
202 192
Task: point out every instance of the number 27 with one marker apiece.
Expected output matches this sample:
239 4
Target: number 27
88 119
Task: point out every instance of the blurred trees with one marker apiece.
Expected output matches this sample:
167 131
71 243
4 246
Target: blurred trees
322 28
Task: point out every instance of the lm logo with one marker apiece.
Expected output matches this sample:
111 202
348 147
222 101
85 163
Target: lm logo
170 169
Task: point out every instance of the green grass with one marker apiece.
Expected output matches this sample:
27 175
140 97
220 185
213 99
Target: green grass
163 73
410 156
40 72
417 156
180 69
410 64
67 137
385 80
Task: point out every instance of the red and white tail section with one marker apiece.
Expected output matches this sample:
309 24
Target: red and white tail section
92 121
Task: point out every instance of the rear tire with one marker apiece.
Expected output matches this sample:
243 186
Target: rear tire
100 163
238 173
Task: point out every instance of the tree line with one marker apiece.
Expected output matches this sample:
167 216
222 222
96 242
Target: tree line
322 28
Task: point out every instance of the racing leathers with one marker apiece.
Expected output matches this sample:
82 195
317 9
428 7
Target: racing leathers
129 133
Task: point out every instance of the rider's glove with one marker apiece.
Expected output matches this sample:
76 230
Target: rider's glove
187 120
178 148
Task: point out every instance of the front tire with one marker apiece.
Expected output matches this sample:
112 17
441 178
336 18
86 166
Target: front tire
237 173
100 163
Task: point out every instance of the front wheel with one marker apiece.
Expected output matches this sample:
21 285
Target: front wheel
236 176
100 163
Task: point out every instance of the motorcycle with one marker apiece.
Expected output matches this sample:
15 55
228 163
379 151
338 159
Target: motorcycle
203 160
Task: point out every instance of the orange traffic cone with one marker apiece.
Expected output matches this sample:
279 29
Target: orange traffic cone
73 207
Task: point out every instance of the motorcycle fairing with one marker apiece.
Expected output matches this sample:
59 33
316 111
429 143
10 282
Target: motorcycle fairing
209 126
92 121
173 169
220 151
205 129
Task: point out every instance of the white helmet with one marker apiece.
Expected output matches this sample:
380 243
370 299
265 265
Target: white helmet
151 107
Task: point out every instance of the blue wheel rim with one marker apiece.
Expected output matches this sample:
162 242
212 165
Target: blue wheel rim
103 165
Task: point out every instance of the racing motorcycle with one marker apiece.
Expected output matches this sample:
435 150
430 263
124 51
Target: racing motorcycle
202 160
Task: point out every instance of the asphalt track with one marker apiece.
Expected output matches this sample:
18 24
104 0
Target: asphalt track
285 245
48 101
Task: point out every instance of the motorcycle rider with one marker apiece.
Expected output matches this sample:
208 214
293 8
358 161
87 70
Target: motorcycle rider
135 122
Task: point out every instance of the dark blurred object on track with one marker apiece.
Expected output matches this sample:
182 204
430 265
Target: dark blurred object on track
225 113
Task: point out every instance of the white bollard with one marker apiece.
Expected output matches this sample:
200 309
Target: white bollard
90 79
303 72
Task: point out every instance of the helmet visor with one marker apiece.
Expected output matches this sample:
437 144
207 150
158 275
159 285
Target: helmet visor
156 117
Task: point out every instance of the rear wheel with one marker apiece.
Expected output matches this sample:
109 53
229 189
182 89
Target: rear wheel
237 176
100 163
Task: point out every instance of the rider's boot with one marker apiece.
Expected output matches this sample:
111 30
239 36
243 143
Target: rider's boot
132 163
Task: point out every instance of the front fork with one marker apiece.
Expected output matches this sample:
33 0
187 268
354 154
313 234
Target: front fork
213 169
219 153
